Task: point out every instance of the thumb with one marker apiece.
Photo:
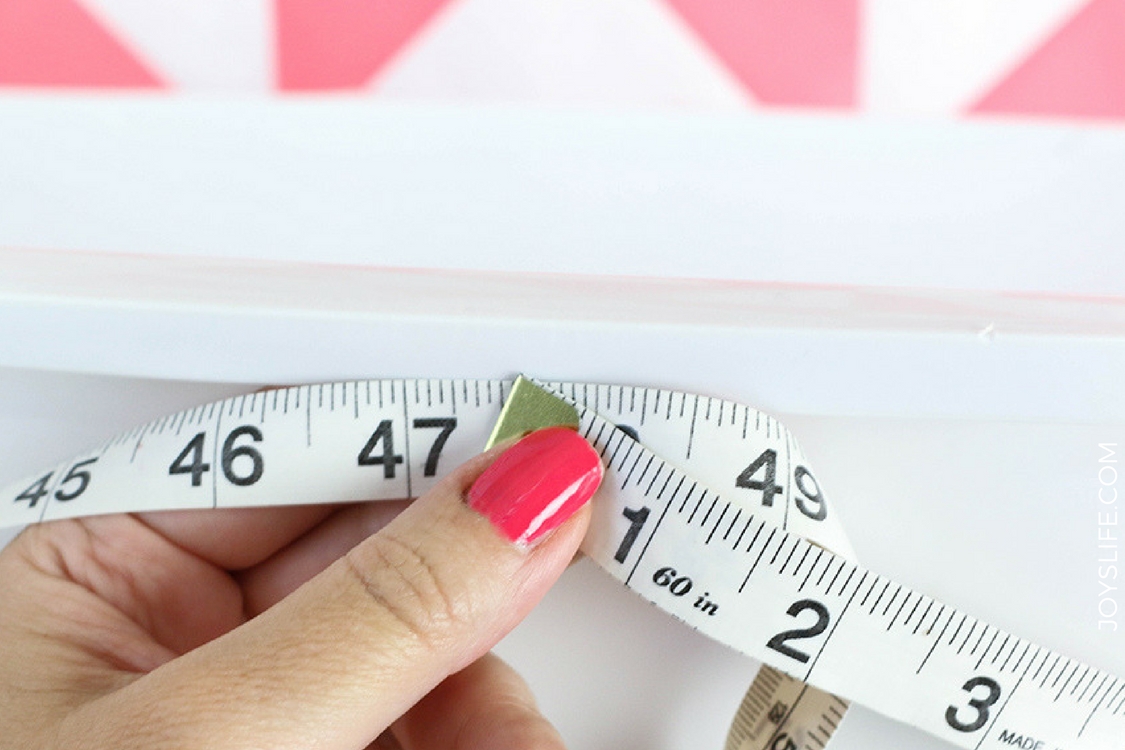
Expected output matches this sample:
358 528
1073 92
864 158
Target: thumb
337 661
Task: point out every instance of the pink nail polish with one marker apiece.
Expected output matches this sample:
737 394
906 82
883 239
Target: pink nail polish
537 484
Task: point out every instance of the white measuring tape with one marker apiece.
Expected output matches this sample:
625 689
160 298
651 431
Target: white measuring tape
708 510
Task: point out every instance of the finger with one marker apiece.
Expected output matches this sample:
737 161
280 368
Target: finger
336 662
272 580
235 538
267 583
486 706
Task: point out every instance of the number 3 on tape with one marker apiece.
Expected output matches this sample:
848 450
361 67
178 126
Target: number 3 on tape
709 510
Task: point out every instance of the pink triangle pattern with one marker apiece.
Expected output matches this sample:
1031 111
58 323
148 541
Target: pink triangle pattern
58 43
342 44
1079 72
786 52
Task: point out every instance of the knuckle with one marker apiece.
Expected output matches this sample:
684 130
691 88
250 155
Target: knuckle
405 584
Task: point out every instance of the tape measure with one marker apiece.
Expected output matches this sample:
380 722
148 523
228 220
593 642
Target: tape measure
709 510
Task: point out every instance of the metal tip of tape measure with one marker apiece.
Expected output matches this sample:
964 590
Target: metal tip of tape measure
530 408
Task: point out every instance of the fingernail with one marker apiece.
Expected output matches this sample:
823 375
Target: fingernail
537 484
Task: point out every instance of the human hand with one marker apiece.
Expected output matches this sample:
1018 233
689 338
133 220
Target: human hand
294 627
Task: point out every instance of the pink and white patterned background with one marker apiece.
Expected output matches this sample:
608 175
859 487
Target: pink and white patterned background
960 58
